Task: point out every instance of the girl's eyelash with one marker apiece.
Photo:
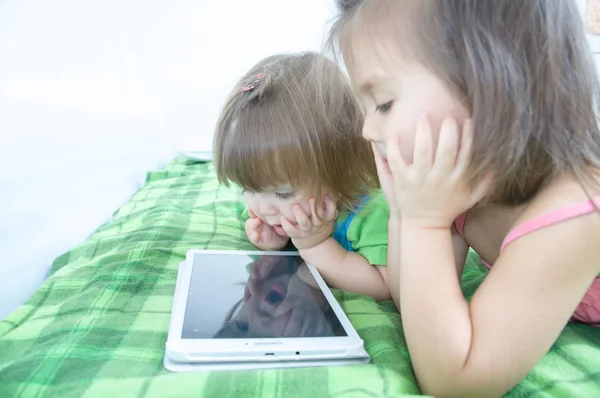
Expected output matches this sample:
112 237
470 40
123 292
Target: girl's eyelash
384 108
286 195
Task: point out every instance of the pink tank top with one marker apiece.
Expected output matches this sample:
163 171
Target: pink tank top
588 310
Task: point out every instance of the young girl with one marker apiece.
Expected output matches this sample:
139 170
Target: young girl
290 136
482 118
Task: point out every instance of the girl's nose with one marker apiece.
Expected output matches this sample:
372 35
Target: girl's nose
368 131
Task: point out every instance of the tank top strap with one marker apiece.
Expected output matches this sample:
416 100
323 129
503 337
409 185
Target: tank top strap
553 217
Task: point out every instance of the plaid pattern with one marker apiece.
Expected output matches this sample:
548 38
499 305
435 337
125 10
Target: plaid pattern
98 325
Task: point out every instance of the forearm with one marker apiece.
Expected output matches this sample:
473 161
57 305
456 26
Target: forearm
435 314
346 270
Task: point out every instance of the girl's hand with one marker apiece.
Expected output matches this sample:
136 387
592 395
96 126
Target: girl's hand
314 228
385 180
262 235
434 190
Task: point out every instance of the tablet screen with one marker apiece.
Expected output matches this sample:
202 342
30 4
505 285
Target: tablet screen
266 296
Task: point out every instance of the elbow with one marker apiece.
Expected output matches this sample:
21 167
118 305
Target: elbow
382 295
458 387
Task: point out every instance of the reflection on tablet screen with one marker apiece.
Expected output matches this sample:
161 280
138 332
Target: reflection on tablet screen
278 298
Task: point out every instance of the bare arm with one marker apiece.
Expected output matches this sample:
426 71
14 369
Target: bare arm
392 273
346 270
485 347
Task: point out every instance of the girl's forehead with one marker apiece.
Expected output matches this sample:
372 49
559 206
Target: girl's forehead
371 67
379 39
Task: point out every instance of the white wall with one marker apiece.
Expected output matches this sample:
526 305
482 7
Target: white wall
139 67
95 93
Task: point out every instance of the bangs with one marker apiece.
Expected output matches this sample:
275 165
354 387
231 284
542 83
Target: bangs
271 147
359 36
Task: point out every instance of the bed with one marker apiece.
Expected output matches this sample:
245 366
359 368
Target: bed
97 326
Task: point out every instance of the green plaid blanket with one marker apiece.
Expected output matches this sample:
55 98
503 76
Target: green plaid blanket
98 325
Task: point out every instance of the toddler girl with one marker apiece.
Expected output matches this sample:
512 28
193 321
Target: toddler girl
482 118
290 136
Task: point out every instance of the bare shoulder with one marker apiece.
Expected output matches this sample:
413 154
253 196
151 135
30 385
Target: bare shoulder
562 192
571 227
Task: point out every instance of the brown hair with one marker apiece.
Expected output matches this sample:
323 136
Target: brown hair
522 67
301 124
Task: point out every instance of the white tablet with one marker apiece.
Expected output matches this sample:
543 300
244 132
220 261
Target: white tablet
256 307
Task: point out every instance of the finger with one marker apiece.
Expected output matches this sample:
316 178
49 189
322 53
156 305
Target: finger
423 147
261 269
251 213
316 221
290 229
252 287
255 224
447 149
253 229
303 221
383 170
266 269
381 165
466 147
247 294
396 164
331 210
319 211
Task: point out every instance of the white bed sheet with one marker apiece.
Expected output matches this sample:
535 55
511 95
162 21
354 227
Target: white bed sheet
55 195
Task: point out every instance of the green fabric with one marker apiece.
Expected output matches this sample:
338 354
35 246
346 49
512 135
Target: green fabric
97 327
367 231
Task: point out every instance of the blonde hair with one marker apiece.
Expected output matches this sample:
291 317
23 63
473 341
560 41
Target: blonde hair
522 67
301 125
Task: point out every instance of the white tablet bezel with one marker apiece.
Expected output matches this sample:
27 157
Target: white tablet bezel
258 350
174 366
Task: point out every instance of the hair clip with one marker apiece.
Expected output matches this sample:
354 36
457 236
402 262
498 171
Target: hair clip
255 83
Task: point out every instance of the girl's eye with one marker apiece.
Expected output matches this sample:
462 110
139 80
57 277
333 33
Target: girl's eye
384 108
284 195
241 326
